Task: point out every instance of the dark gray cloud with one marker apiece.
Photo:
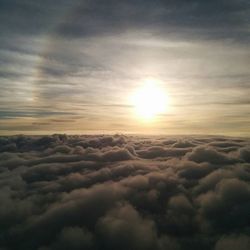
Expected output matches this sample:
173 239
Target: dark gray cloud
6 114
124 192
213 19
209 154
29 16
73 238
83 18
233 242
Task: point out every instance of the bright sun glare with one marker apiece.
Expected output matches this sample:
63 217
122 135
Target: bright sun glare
150 100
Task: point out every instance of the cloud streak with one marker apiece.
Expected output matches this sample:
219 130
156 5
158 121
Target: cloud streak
60 56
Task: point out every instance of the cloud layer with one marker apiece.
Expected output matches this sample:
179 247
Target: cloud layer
123 192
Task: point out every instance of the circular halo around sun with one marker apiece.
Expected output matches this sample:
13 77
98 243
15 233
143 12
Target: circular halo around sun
149 100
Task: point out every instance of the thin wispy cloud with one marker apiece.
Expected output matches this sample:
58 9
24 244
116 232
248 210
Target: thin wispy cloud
90 56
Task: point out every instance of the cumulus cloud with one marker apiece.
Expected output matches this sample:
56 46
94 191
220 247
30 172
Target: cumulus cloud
231 242
124 192
72 238
123 228
209 154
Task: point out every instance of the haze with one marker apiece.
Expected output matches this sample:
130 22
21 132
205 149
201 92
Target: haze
72 66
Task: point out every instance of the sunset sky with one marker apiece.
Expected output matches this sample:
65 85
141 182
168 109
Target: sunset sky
124 124
78 66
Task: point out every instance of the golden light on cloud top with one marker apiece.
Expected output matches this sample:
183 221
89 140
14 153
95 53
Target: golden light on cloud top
149 100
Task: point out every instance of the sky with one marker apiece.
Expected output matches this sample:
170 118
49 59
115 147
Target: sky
74 66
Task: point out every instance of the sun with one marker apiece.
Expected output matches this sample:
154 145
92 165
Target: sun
150 100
